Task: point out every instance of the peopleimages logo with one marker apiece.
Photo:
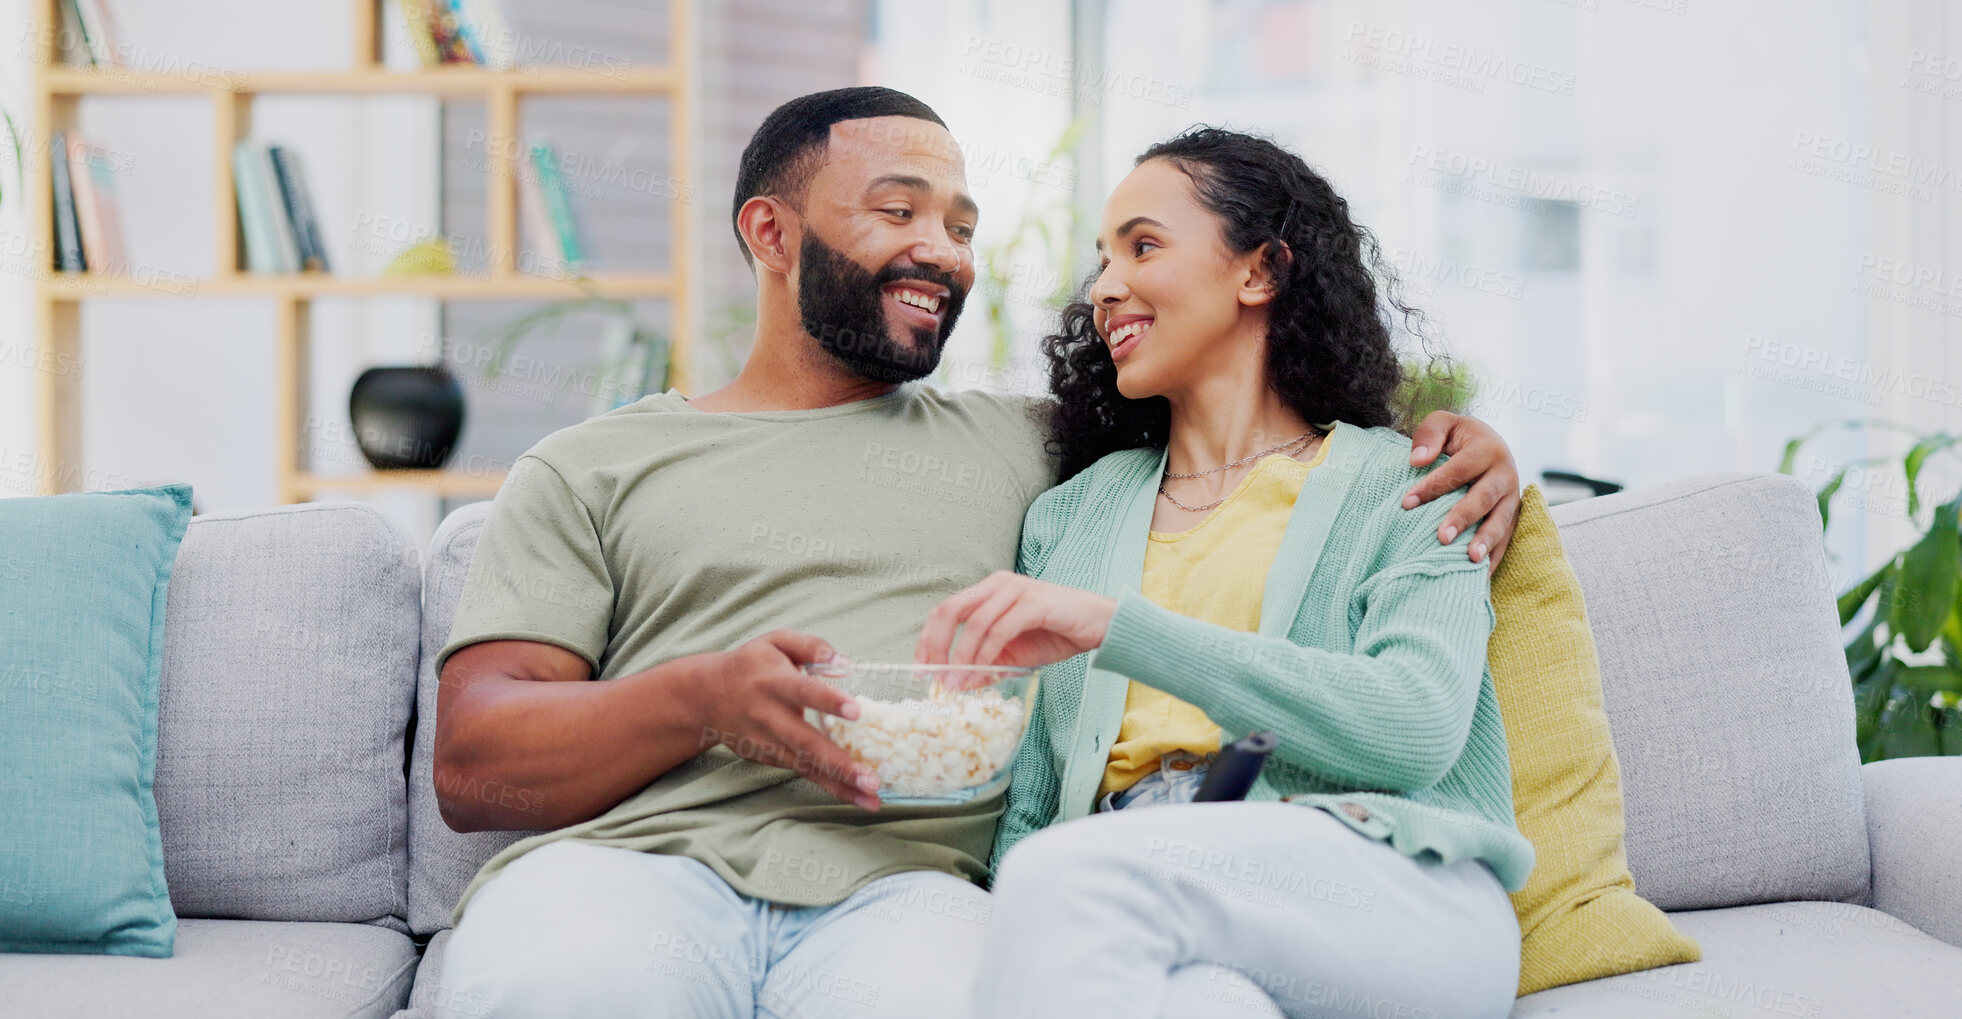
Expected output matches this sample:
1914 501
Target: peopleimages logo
1853 162
1412 266
1865 380
1027 65
1490 180
46 359
983 163
1910 274
1467 66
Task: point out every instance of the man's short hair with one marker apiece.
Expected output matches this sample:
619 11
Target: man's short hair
787 150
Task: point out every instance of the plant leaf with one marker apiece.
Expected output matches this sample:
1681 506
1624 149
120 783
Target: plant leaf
1850 602
1869 699
1790 457
1927 581
1927 679
1862 654
1952 633
1826 497
1791 453
1908 730
1912 466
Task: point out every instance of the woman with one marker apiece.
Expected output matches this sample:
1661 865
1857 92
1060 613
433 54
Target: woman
1231 550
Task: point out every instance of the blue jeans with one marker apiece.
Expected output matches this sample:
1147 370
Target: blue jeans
573 929
1177 780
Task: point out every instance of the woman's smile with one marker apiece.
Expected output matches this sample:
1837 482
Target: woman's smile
1125 333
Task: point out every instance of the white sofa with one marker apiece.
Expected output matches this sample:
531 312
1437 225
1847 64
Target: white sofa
314 875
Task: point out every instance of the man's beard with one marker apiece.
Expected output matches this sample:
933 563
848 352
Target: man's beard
843 307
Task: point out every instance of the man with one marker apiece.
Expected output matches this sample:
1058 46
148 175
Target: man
713 854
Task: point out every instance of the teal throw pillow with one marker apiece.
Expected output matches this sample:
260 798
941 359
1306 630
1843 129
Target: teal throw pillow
83 580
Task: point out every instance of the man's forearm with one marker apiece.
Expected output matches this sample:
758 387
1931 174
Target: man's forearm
517 754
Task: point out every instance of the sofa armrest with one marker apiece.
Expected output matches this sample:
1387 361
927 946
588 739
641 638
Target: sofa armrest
1914 824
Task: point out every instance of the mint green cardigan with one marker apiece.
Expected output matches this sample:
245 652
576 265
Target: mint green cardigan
1369 662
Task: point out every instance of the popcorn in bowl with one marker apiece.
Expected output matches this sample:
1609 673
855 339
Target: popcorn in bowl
933 733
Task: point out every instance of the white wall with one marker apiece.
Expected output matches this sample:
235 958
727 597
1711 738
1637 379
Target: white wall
1914 58
17 382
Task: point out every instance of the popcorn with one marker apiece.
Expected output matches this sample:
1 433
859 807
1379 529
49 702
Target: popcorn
932 746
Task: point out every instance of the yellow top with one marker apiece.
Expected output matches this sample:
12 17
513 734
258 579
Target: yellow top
1214 571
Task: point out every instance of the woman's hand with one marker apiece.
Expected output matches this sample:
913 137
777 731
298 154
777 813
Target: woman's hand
1011 619
1480 458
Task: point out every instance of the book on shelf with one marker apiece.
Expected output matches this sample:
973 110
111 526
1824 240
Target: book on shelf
71 47
88 33
88 220
254 233
487 31
416 15
87 215
262 217
541 238
558 207
449 36
477 32
297 201
67 230
111 257
467 35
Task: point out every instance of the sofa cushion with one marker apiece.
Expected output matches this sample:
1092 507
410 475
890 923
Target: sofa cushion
1579 916
288 671
81 639
430 996
441 861
1812 960
1914 814
1726 689
248 969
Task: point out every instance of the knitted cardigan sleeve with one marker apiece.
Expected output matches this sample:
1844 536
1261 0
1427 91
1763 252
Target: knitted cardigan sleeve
1392 714
1034 785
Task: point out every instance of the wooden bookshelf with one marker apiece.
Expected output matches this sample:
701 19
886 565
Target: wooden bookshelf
513 286
450 82
449 484
59 91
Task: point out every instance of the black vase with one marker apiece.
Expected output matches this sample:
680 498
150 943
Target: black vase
406 418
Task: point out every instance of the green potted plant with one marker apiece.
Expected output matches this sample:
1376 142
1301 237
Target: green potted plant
1432 385
634 355
1906 660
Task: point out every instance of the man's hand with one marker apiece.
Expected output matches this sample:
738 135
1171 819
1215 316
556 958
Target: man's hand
1478 457
752 701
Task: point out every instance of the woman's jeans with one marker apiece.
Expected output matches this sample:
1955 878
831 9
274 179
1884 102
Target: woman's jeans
1240 909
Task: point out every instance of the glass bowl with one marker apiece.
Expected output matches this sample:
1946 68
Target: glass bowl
933 733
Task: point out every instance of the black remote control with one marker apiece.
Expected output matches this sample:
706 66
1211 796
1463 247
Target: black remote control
1232 773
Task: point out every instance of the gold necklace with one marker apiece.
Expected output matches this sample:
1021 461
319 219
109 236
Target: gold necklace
1217 502
1246 458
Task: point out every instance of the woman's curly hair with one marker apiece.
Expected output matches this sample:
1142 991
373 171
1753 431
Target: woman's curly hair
1329 354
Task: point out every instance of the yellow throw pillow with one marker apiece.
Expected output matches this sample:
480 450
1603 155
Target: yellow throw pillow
1579 916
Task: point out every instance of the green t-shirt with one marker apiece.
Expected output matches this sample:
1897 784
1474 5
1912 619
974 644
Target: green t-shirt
658 531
